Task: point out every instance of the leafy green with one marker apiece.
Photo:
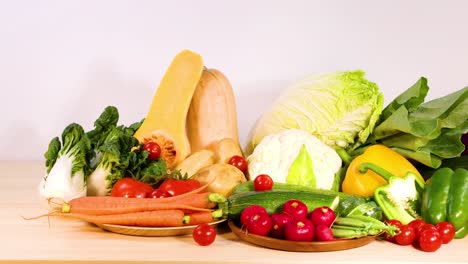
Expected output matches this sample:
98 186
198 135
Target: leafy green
427 132
67 166
339 108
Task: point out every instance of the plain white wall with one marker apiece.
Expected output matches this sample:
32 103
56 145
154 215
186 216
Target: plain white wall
64 61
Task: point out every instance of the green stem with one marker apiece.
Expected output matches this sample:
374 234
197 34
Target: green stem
364 167
344 155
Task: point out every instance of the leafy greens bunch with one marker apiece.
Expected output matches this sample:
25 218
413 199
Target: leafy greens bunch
426 132
89 163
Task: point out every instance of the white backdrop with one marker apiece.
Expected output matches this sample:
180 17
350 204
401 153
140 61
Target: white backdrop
64 61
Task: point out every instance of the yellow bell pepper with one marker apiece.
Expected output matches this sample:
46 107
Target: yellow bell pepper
364 182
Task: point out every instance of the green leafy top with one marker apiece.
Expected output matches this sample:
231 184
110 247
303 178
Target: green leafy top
427 132
75 145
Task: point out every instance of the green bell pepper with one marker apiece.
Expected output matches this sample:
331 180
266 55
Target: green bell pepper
445 198
399 199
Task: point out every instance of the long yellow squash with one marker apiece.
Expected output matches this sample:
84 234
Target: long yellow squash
165 122
212 114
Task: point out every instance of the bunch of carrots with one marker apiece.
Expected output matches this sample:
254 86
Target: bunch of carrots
191 208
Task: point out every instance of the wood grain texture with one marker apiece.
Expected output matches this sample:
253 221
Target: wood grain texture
57 240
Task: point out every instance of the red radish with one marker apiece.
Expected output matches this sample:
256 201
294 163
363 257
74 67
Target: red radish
279 221
323 233
299 230
249 211
323 216
295 208
259 224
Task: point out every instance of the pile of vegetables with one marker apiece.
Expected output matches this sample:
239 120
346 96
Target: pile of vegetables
326 161
90 163
407 158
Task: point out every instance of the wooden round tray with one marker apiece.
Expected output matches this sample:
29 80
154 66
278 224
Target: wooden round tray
316 246
152 231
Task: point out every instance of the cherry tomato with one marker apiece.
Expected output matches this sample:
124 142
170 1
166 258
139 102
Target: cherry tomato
425 227
416 224
446 231
393 222
131 188
406 236
429 240
153 149
263 182
177 187
238 162
204 234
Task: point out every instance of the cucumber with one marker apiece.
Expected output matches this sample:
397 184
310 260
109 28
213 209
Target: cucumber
273 201
348 202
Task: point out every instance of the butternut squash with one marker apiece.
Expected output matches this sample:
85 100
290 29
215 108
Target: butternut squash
165 122
212 114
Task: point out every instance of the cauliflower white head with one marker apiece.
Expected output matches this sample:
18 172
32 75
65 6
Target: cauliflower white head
297 157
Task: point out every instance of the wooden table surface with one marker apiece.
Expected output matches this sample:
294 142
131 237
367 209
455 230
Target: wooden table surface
72 241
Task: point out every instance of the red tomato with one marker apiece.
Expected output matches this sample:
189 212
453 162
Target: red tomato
131 188
426 227
204 234
157 193
263 182
177 187
393 222
238 162
429 240
416 224
446 231
406 236
153 149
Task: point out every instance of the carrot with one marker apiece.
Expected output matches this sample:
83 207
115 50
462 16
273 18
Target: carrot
161 218
106 205
197 218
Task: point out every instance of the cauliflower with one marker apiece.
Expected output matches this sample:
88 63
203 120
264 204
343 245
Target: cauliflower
296 157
